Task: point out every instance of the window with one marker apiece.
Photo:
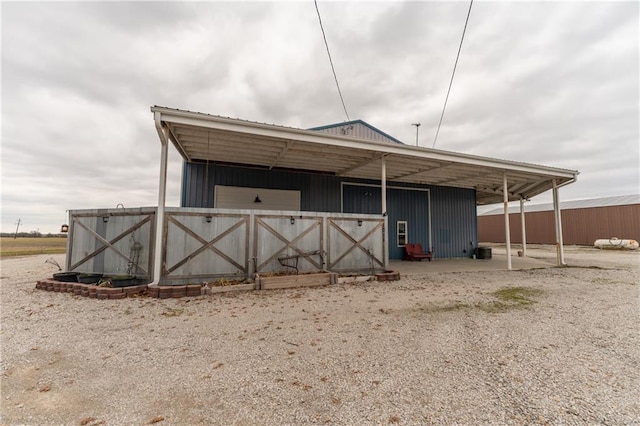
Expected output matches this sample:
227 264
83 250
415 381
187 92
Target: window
401 228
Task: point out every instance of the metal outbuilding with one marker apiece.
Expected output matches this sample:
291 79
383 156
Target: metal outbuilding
584 221
332 171
260 198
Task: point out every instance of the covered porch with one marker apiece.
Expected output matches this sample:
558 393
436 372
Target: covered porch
176 245
496 263
213 140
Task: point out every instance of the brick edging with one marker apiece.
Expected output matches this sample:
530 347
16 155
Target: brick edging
91 290
95 292
175 291
160 292
388 276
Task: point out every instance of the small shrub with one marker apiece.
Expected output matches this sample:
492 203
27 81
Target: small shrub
517 295
511 298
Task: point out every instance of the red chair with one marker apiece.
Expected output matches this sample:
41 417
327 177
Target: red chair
415 252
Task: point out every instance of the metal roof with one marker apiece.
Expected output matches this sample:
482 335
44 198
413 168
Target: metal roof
204 137
621 200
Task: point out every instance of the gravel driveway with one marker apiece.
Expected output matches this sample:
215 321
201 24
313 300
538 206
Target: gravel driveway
560 347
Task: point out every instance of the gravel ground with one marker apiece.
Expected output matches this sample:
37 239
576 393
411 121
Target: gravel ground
440 348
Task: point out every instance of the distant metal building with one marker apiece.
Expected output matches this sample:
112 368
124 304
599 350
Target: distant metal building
584 221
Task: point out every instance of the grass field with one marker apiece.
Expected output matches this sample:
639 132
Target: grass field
28 246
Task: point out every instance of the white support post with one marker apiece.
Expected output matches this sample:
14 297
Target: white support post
524 228
558 217
507 231
383 189
251 259
385 242
383 184
162 196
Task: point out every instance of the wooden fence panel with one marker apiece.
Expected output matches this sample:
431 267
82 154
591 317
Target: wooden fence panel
201 246
283 239
205 244
112 241
356 244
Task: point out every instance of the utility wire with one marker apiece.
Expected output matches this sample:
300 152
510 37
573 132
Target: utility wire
331 61
453 74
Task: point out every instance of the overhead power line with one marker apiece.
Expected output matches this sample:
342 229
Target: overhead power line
335 77
452 75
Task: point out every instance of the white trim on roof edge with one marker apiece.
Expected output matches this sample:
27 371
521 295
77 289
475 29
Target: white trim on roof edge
289 133
248 143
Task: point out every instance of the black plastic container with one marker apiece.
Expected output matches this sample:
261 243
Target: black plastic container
483 253
89 278
123 281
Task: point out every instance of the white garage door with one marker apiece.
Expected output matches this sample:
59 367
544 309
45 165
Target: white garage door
236 197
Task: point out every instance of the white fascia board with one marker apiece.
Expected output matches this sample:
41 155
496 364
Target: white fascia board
310 136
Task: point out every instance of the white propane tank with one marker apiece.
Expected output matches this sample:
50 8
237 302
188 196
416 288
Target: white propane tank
616 243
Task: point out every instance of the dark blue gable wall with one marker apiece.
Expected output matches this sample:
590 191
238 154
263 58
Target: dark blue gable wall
453 210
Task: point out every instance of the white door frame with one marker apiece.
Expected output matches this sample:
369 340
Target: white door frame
372 185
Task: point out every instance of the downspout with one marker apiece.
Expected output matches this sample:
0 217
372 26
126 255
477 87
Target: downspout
162 196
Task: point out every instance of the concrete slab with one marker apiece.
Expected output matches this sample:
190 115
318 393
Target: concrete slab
538 256
498 262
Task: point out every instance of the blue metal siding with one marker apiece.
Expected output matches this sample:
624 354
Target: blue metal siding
454 221
454 225
408 205
361 199
412 207
453 210
317 192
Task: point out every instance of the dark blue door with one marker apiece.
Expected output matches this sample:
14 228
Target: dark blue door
407 205
361 199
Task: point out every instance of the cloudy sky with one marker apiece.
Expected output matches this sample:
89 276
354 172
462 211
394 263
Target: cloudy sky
553 83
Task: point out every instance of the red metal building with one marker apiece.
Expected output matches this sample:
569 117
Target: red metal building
583 221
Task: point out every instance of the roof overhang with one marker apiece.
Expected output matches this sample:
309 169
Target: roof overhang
204 137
